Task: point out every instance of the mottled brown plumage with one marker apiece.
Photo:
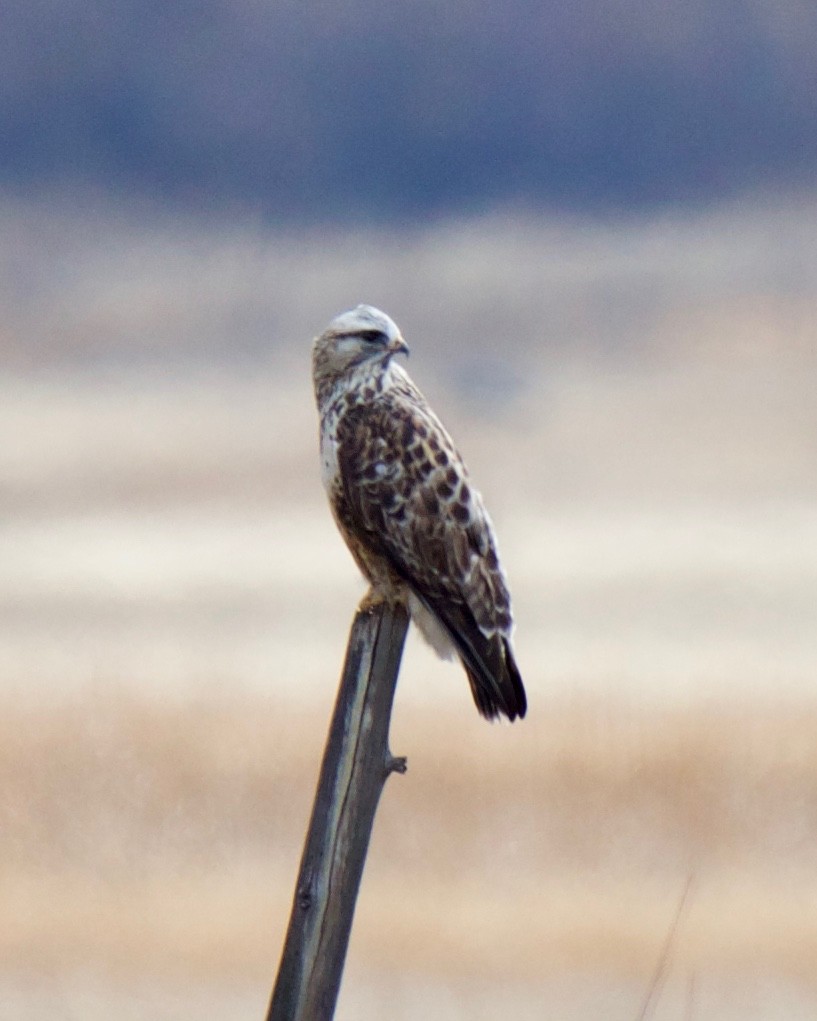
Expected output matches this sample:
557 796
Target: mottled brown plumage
404 503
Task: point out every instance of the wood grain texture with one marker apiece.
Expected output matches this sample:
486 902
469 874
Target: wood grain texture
355 766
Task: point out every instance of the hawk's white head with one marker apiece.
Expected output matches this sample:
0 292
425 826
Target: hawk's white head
361 336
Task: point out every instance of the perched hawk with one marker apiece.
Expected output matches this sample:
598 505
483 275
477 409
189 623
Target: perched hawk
404 503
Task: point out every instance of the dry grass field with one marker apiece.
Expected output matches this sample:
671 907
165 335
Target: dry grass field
635 400
154 846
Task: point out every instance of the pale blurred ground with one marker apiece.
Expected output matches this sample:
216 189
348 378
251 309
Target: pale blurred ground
636 402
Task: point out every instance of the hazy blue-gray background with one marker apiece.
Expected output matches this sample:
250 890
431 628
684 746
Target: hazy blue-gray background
364 109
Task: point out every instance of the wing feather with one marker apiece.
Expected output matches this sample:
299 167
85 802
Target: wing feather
409 501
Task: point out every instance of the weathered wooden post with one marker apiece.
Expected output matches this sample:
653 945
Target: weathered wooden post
356 763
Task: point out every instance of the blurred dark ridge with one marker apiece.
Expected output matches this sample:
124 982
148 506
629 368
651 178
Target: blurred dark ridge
324 111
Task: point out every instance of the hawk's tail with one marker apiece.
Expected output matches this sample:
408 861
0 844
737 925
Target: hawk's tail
501 690
488 659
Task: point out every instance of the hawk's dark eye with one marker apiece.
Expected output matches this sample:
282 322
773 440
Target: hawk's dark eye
372 336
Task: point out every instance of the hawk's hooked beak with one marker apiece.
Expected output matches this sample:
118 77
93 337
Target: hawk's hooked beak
398 346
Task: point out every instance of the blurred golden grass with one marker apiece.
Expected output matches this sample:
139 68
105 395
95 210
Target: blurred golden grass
162 839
